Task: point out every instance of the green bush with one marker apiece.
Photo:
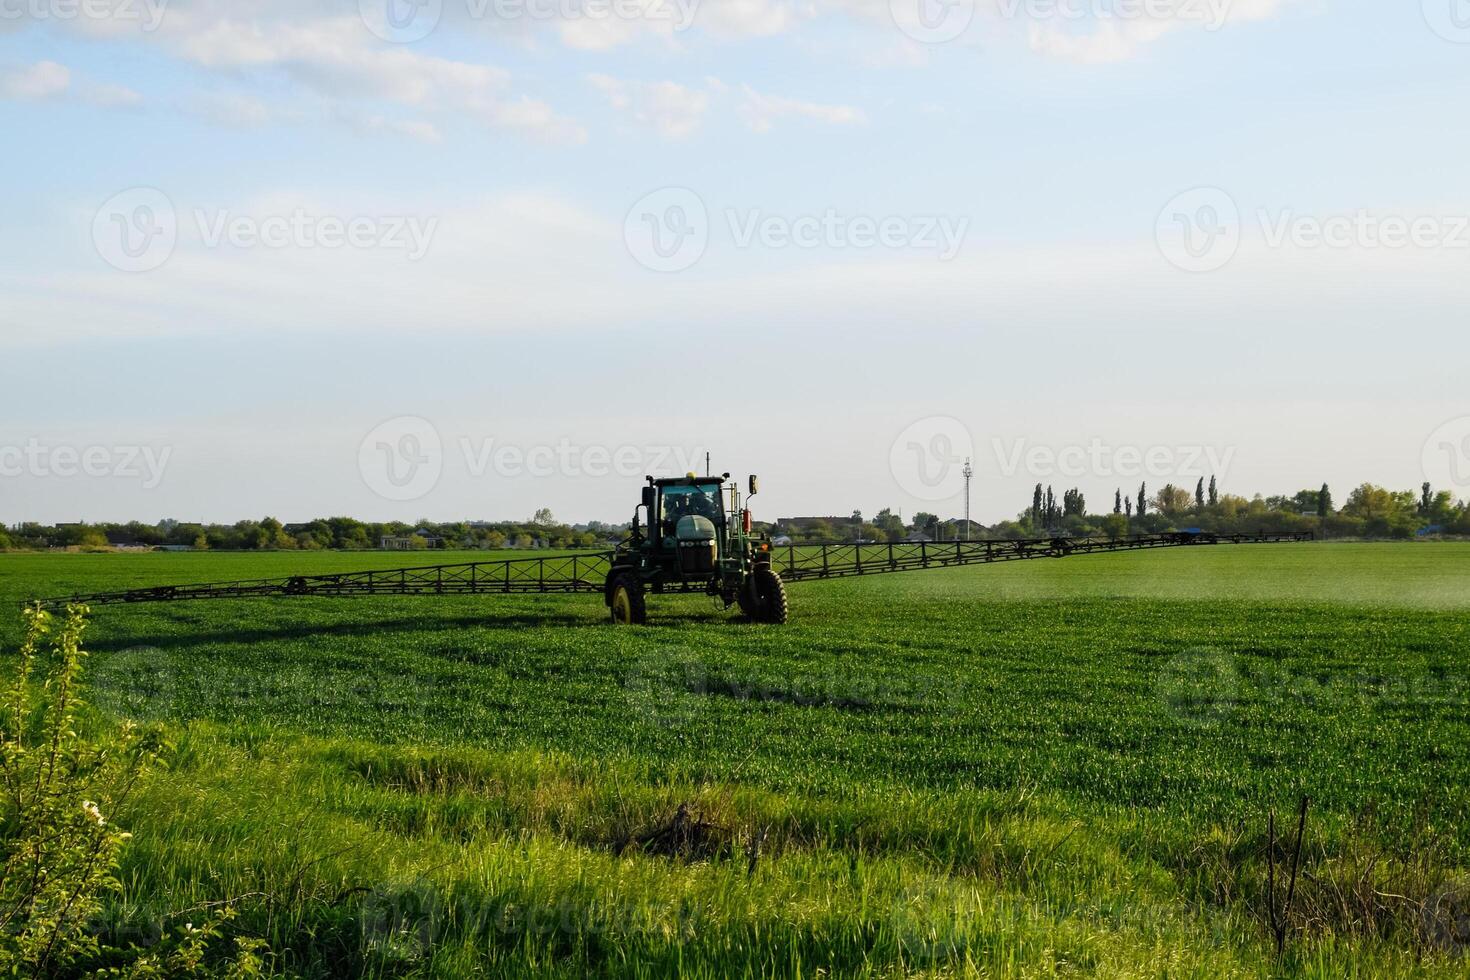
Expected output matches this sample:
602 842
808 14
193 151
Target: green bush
58 847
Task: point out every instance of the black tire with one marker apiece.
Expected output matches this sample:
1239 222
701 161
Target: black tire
744 599
766 602
625 600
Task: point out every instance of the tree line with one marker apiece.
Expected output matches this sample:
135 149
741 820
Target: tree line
1369 511
341 533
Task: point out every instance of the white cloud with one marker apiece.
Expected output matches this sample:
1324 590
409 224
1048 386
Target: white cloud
339 60
672 109
233 110
49 80
761 111
677 110
43 80
752 18
111 96
337 57
1103 38
414 129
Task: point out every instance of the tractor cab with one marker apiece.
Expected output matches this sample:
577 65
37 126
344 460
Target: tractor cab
692 534
687 522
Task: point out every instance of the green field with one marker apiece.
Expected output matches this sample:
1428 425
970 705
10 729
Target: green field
1052 767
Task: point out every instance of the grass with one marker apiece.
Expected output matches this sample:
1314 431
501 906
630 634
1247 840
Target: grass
1047 768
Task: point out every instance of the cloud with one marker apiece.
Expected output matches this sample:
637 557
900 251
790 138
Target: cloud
1101 37
233 110
43 80
677 110
672 109
760 112
111 96
341 61
414 129
46 80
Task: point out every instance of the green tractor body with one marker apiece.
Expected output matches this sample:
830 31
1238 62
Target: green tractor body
691 534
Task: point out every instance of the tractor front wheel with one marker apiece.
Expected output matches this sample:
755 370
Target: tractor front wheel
625 599
765 599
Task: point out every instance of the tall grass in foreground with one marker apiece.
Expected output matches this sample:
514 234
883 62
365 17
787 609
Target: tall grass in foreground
58 845
356 859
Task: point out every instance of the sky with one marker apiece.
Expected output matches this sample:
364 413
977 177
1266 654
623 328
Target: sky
463 259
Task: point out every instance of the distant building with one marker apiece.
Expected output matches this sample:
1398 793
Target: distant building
419 540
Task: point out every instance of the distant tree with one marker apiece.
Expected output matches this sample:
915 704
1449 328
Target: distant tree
1369 501
1442 509
1305 502
890 524
1142 499
1426 499
543 517
1036 498
1118 501
821 531
1199 494
1128 507
1324 502
201 543
1115 525
1214 493
275 534
1172 500
91 537
923 521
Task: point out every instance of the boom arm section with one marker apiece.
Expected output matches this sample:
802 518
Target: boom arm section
570 573
797 563
587 573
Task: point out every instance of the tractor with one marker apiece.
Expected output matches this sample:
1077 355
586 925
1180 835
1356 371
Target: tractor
685 539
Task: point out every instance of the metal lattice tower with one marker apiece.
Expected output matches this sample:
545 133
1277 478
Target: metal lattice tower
968 472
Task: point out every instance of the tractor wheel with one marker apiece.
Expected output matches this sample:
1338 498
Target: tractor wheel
766 602
743 599
625 598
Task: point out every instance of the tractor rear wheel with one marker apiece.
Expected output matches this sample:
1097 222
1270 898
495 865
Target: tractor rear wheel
765 601
625 599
